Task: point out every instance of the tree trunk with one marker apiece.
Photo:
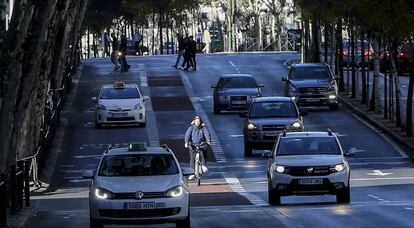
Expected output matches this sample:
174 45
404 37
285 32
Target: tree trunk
315 40
307 40
399 111
160 21
259 37
363 72
410 94
340 56
376 90
353 63
326 35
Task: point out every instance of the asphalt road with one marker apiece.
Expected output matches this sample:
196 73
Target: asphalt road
234 191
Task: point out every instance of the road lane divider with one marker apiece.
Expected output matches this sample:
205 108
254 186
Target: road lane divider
151 123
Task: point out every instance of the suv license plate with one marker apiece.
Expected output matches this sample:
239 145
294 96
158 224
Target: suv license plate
144 205
238 102
313 100
310 181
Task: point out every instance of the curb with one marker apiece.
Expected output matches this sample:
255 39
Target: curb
22 218
394 136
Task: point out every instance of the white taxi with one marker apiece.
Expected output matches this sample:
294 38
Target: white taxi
308 163
119 103
139 185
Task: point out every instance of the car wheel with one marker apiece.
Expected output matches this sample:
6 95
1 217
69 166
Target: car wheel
216 110
184 223
97 125
344 196
334 107
95 223
272 194
248 149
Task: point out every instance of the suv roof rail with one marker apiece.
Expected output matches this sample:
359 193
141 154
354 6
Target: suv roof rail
329 132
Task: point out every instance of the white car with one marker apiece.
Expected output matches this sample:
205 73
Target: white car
119 103
308 163
139 185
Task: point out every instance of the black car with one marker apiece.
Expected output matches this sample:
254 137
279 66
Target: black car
312 84
235 92
266 118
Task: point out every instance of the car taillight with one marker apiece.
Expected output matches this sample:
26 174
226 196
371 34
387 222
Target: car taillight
344 53
368 53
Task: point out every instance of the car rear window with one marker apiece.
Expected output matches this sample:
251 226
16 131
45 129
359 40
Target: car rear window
308 146
237 82
304 73
125 93
138 165
281 109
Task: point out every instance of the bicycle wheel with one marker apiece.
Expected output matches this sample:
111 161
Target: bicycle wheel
197 168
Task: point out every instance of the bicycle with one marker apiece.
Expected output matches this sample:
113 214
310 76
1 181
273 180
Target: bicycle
198 167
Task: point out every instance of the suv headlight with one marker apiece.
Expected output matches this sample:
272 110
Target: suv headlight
175 191
221 97
251 126
102 107
337 168
138 106
278 169
102 193
296 125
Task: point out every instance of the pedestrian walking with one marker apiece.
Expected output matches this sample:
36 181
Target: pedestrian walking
193 52
115 51
181 49
187 54
207 41
137 40
105 45
122 57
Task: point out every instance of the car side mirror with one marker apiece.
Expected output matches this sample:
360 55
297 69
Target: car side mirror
94 99
284 79
303 113
349 153
336 77
267 154
213 86
146 98
187 171
88 174
243 114
260 86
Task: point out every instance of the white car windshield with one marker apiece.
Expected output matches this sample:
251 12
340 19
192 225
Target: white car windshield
282 109
138 165
125 93
308 146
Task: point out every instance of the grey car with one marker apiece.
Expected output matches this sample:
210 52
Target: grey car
266 118
312 84
235 92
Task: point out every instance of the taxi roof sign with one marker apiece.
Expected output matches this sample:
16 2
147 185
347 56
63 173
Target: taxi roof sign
119 85
137 146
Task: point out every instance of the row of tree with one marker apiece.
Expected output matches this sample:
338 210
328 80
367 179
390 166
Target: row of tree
38 50
386 24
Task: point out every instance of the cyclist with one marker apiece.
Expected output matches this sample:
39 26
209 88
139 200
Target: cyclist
198 135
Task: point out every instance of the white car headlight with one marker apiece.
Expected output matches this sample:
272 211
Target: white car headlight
138 106
332 96
296 125
251 126
103 193
337 168
102 107
277 168
175 191
292 89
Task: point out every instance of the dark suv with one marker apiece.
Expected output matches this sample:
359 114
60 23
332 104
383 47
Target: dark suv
266 118
312 84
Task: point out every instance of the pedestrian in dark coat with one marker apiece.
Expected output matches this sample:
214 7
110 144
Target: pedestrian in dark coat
123 49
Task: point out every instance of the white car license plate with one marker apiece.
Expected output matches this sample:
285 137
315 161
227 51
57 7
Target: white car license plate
143 205
238 102
312 100
272 133
122 114
310 181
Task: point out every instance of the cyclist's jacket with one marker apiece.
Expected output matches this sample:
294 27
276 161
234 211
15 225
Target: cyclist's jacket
197 135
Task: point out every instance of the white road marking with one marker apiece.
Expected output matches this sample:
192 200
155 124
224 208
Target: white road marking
235 185
377 172
88 156
152 130
382 178
232 64
408 208
235 136
143 79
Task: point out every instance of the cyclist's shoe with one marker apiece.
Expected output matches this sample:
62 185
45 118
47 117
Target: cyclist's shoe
191 177
204 168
